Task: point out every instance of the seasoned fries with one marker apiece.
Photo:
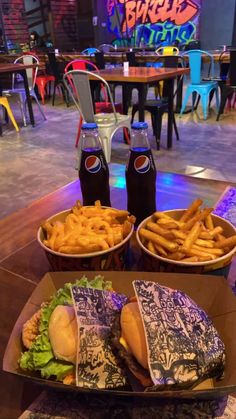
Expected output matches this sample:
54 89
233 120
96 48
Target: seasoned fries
190 239
88 229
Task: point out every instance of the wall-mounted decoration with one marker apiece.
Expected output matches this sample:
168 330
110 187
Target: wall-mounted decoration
153 22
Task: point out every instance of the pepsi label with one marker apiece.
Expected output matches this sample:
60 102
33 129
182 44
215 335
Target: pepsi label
142 164
92 164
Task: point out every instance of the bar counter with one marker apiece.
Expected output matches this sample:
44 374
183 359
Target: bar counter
112 58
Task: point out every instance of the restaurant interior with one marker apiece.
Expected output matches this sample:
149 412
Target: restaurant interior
120 73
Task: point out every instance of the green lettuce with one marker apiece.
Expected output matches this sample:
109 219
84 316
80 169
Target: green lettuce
40 356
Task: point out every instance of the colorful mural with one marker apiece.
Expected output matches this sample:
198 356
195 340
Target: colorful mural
153 22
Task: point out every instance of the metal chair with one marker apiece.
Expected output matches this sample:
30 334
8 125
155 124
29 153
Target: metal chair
20 92
197 85
89 51
158 107
108 123
106 48
167 50
4 102
58 75
228 87
100 60
100 106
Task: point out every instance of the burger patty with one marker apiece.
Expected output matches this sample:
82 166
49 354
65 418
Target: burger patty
128 359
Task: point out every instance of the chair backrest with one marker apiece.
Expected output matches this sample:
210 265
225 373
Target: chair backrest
224 66
53 63
171 61
83 65
89 51
81 93
80 65
168 50
100 60
192 45
106 48
232 68
28 59
195 64
131 58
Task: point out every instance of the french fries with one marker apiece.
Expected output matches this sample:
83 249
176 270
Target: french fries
88 229
190 239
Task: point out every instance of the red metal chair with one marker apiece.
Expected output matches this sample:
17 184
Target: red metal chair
100 107
42 80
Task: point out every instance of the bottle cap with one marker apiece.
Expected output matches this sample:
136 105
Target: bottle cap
89 125
139 125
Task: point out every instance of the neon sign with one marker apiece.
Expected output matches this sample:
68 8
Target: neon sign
154 21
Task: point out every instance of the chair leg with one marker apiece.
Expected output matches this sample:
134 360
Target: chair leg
185 100
134 110
41 89
49 88
153 123
194 95
204 99
175 128
12 118
22 103
40 109
217 99
157 120
198 100
54 93
78 132
65 95
224 96
6 116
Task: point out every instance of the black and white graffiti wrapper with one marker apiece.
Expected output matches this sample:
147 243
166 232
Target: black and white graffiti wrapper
96 366
183 344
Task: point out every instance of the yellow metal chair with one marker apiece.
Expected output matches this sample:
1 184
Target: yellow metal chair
167 50
4 102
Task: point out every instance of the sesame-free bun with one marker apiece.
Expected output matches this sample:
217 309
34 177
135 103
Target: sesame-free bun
63 333
133 332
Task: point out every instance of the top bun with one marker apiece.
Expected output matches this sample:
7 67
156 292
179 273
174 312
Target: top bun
133 332
63 333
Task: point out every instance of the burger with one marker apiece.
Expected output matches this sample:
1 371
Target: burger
165 340
50 336
160 339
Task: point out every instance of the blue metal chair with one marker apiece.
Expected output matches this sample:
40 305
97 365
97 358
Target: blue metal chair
197 85
90 51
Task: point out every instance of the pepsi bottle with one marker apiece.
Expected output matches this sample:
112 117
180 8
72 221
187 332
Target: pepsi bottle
93 170
140 174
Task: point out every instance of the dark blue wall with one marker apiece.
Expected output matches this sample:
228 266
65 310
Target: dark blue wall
216 23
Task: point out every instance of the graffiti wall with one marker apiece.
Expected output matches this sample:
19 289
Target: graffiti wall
153 22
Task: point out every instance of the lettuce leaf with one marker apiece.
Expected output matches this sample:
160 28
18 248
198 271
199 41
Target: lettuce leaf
40 356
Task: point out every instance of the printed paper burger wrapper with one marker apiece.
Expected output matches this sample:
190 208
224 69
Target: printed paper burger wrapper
96 365
183 345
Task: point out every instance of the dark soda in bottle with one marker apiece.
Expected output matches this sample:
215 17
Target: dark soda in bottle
93 169
140 174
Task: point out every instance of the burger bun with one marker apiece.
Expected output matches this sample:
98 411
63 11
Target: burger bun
63 333
133 332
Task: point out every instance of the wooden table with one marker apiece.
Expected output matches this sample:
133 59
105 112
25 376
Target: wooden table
21 69
23 262
141 77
